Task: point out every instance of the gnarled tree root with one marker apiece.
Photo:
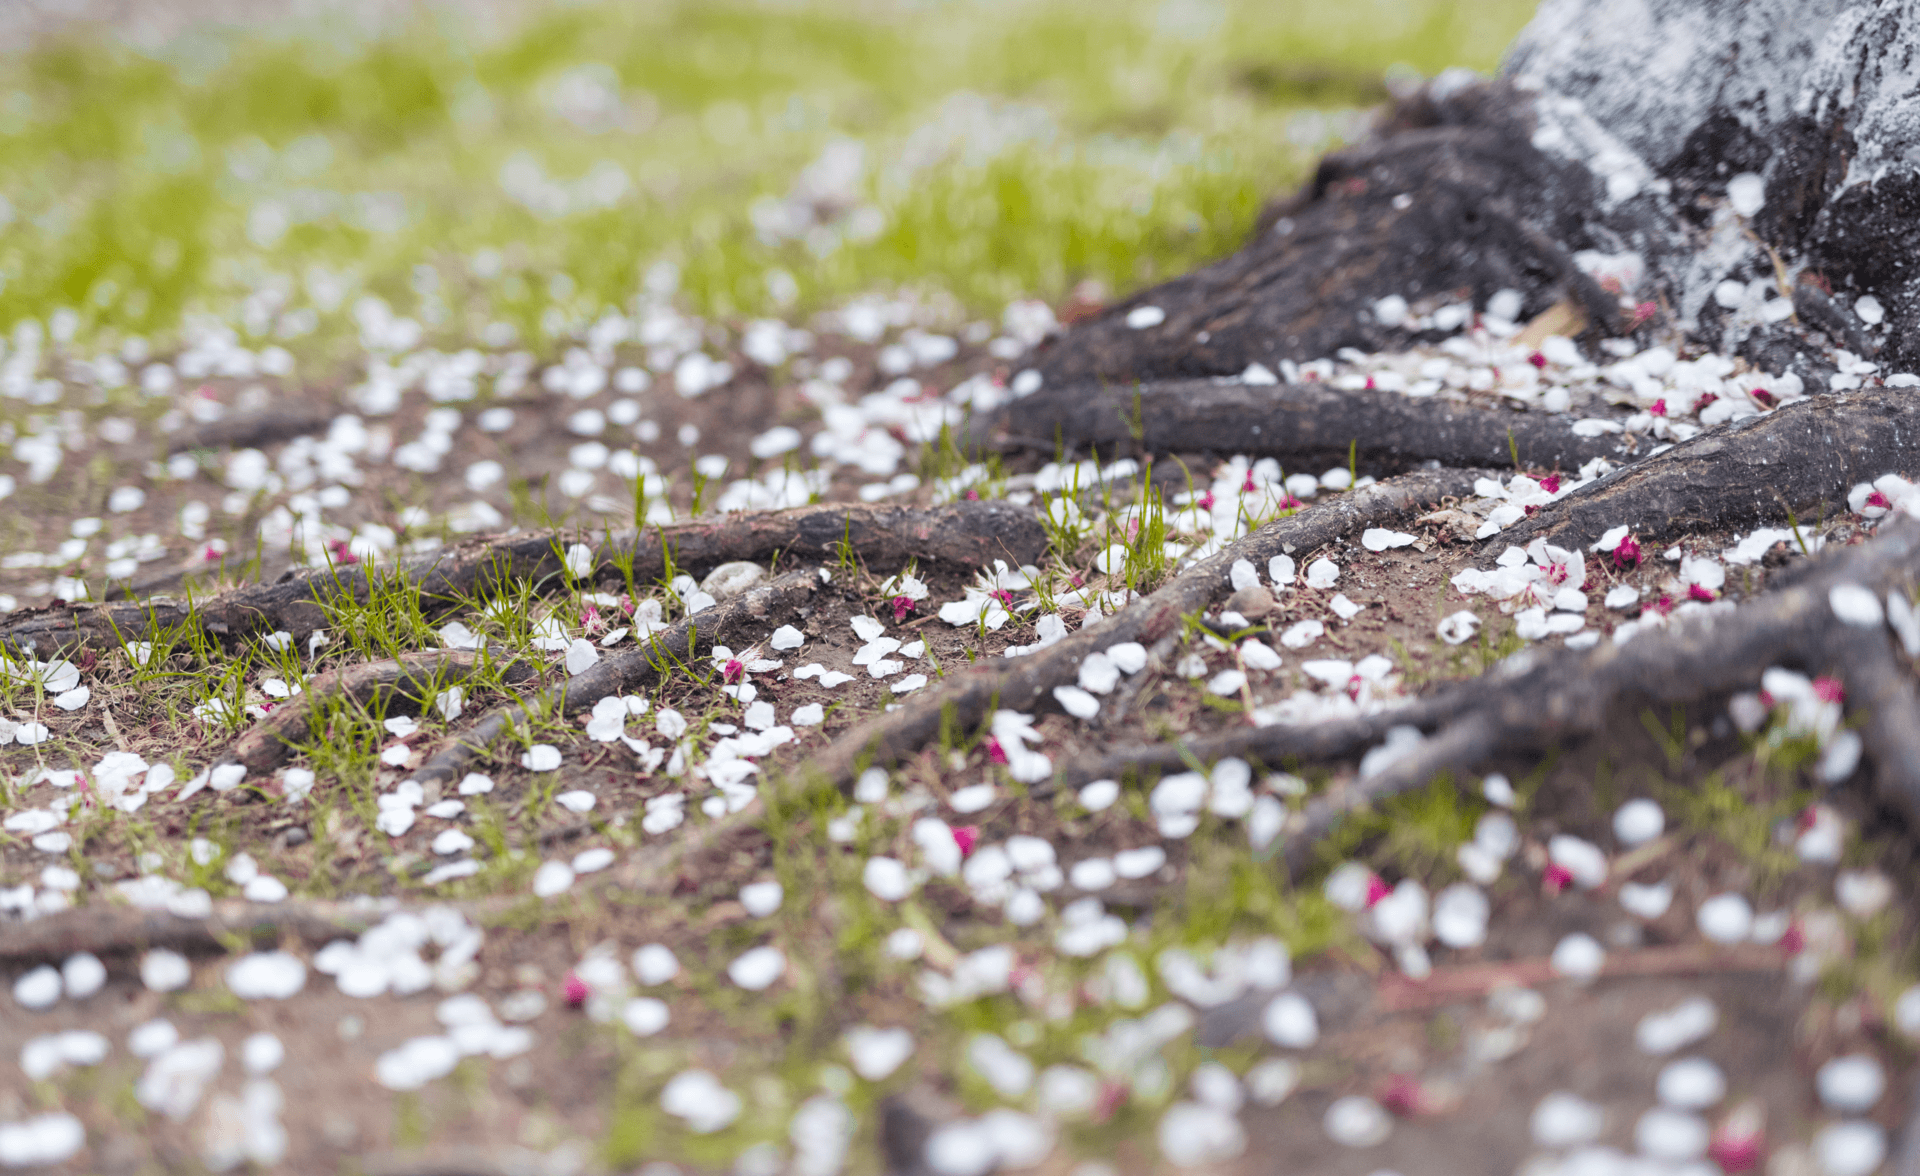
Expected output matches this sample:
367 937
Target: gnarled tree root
963 535
746 616
1307 422
1025 682
251 428
1472 983
1546 698
409 682
1803 457
110 929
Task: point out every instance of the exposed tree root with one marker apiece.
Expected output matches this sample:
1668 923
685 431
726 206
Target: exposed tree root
1544 698
242 430
111 930
749 615
459 1161
1295 422
410 682
1803 457
1026 683
1905 1160
1488 211
1474 982
108 929
963 534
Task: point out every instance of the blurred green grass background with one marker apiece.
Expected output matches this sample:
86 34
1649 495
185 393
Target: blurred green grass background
782 154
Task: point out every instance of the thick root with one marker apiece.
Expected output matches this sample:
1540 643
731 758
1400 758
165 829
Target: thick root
1026 683
747 616
1545 698
1801 458
963 535
1296 422
409 682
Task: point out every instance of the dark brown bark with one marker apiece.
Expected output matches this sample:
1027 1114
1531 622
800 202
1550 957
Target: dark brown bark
107 929
1802 458
110 930
1614 127
409 684
750 615
1026 683
243 430
963 535
1453 200
1558 697
1316 422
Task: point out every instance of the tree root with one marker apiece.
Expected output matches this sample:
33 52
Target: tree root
409 681
746 616
1803 458
1543 698
1025 683
1295 422
458 1161
964 535
1474 982
111 930
1489 211
242 430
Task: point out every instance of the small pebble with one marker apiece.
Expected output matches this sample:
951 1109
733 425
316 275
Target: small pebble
1906 1012
1584 860
151 1038
877 1053
1862 893
1646 901
645 1015
757 967
83 975
1460 914
655 964
165 971
1665 1031
761 898
262 1053
1270 1082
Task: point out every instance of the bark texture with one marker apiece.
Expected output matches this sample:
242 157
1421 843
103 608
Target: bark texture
1802 458
1544 698
1615 128
963 534
752 614
408 685
1304 422
1026 683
